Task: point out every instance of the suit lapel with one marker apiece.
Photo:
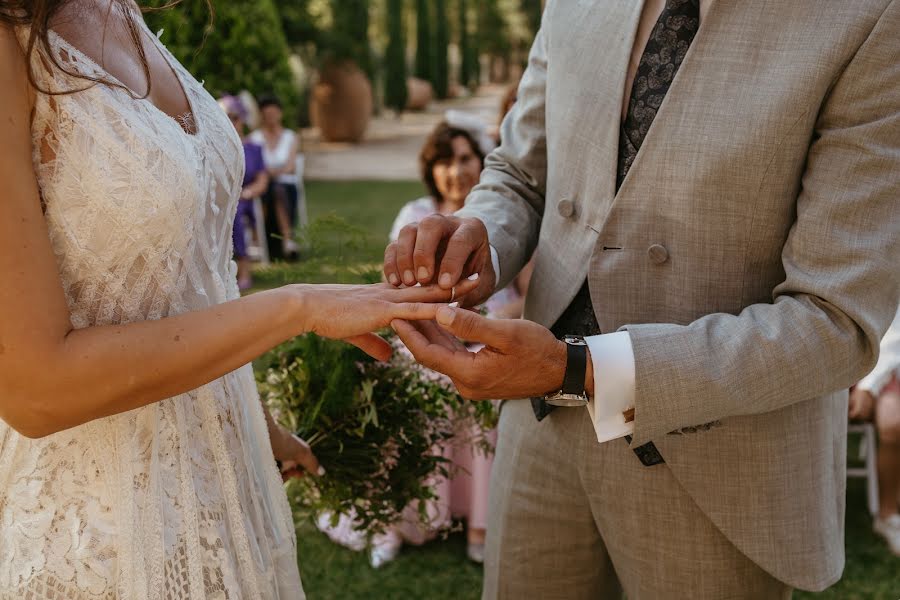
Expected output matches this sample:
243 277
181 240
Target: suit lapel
613 25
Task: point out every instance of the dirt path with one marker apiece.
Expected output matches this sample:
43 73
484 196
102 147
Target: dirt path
391 147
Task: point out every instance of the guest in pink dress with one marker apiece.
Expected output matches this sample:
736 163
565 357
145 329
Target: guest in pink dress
451 162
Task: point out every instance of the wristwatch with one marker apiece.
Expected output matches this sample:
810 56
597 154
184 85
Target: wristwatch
572 392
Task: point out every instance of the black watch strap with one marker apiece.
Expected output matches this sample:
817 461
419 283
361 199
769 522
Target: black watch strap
576 366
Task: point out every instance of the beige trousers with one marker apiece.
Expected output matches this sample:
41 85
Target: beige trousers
573 519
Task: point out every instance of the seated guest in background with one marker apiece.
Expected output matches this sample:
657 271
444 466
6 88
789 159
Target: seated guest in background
280 147
256 182
878 396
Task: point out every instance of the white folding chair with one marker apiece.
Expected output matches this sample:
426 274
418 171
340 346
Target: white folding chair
260 250
868 454
302 214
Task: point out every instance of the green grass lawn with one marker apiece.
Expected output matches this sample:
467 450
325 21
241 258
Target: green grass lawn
349 226
343 249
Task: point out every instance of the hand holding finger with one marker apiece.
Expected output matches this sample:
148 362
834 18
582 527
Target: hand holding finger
472 327
434 293
433 353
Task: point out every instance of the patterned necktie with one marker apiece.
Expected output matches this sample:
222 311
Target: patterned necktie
668 44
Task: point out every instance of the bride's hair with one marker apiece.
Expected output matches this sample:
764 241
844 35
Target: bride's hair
37 14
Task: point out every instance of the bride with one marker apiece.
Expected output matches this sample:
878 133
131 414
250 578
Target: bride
136 460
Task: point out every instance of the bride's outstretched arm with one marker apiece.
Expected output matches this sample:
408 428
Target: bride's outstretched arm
54 377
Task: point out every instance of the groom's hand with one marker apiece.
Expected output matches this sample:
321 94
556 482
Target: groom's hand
520 358
442 250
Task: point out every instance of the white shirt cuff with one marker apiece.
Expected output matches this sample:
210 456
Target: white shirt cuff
495 261
613 360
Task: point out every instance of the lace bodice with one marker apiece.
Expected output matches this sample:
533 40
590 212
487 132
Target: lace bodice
178 500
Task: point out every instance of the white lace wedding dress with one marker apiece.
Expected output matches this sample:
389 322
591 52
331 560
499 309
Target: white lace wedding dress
181 499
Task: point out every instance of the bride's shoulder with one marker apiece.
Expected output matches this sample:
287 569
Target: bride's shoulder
15 86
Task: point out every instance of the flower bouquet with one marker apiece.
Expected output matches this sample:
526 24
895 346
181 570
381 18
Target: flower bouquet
374 426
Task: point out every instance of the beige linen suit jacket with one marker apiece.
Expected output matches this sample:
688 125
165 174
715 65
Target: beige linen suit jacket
751 253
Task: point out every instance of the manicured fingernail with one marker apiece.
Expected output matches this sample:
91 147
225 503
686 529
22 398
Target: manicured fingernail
408 277
473 277
321 471
445 315
453 305
423 273
394 279
445 280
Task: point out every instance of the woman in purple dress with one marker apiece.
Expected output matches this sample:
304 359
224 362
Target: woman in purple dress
256 181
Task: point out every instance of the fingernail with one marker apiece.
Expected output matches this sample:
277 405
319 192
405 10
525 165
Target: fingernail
445 280
394 279
453 305
445 315
408 277
321 471
473 277
423 273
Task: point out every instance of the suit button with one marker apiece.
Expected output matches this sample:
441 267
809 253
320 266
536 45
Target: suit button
658 253
566 208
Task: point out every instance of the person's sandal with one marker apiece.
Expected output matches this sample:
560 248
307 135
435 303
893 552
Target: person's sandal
889 529
475 552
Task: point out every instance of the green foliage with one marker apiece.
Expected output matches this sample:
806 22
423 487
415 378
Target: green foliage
373 426
395 92
441 72
348 38
533 12
242 47
424 61
493 29
302 27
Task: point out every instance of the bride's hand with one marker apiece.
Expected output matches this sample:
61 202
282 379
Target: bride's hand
294 454
351 312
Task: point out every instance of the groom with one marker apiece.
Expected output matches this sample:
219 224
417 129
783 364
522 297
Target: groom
712 188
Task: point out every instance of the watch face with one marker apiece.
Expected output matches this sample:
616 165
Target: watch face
574 340
567 400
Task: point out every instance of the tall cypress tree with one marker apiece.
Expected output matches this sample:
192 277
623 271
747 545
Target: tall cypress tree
493 31
466 49
350 33
423 41
533 12
395 94
441 42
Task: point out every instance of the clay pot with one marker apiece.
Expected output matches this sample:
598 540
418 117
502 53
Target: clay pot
341 103
419 94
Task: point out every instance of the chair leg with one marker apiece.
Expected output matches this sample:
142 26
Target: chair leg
871 470
260 219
